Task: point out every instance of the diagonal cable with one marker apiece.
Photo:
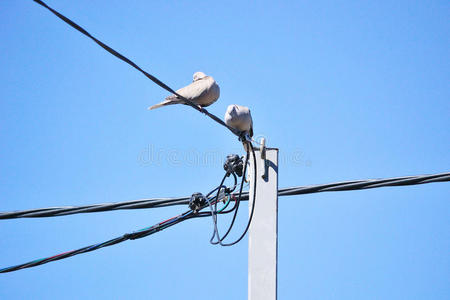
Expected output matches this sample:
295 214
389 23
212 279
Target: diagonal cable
128 236
134 65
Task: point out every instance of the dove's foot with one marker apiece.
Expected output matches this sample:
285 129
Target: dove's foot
201 109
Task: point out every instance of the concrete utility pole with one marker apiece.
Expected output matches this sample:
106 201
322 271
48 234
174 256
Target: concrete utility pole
263 232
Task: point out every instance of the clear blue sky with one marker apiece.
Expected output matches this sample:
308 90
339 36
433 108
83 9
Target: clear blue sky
345 89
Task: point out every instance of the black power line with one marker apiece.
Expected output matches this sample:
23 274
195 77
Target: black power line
291 191
338 186
131 63
365 184
70 210
128 236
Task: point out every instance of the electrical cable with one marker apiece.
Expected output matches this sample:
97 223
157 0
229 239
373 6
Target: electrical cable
253 202
131 63
128 236
235 208
151 203
214 213
352 185
364 184
69 210
225 205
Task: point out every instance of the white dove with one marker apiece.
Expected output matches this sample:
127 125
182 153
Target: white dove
239 118
203 91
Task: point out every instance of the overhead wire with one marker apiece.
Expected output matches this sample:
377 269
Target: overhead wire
128 236
69 210
351 185
354 185
95 208
134 65
151 203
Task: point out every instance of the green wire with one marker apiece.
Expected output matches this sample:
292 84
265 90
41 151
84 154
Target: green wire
226 204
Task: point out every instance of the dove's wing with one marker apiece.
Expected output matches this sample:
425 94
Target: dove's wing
201 92
192 91
240 118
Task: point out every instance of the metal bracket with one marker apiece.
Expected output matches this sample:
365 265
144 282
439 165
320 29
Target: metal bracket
262 149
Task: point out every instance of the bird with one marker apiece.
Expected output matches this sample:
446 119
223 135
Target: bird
203 91
239 118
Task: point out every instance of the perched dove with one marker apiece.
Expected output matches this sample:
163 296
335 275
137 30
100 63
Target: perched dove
203 91
239 117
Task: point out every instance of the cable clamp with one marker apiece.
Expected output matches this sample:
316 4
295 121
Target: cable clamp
234 164
196 202
262 150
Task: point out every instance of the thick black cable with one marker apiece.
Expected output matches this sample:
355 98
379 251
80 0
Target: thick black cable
291 191
123 238
131 63
364 184
69 210
128 236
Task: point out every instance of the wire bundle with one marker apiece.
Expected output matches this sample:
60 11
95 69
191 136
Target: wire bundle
128 236
216 234
291 191
69 210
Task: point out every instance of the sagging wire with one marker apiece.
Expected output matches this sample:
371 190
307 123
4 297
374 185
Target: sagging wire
214 212
253 200
235 209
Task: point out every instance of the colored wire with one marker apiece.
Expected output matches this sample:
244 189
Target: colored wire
236 207
225 205
128 236
214 214
253 202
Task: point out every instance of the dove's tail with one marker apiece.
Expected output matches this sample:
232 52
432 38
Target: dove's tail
164 103
156 105
173 99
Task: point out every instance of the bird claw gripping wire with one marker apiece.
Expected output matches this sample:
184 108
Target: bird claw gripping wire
244 137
